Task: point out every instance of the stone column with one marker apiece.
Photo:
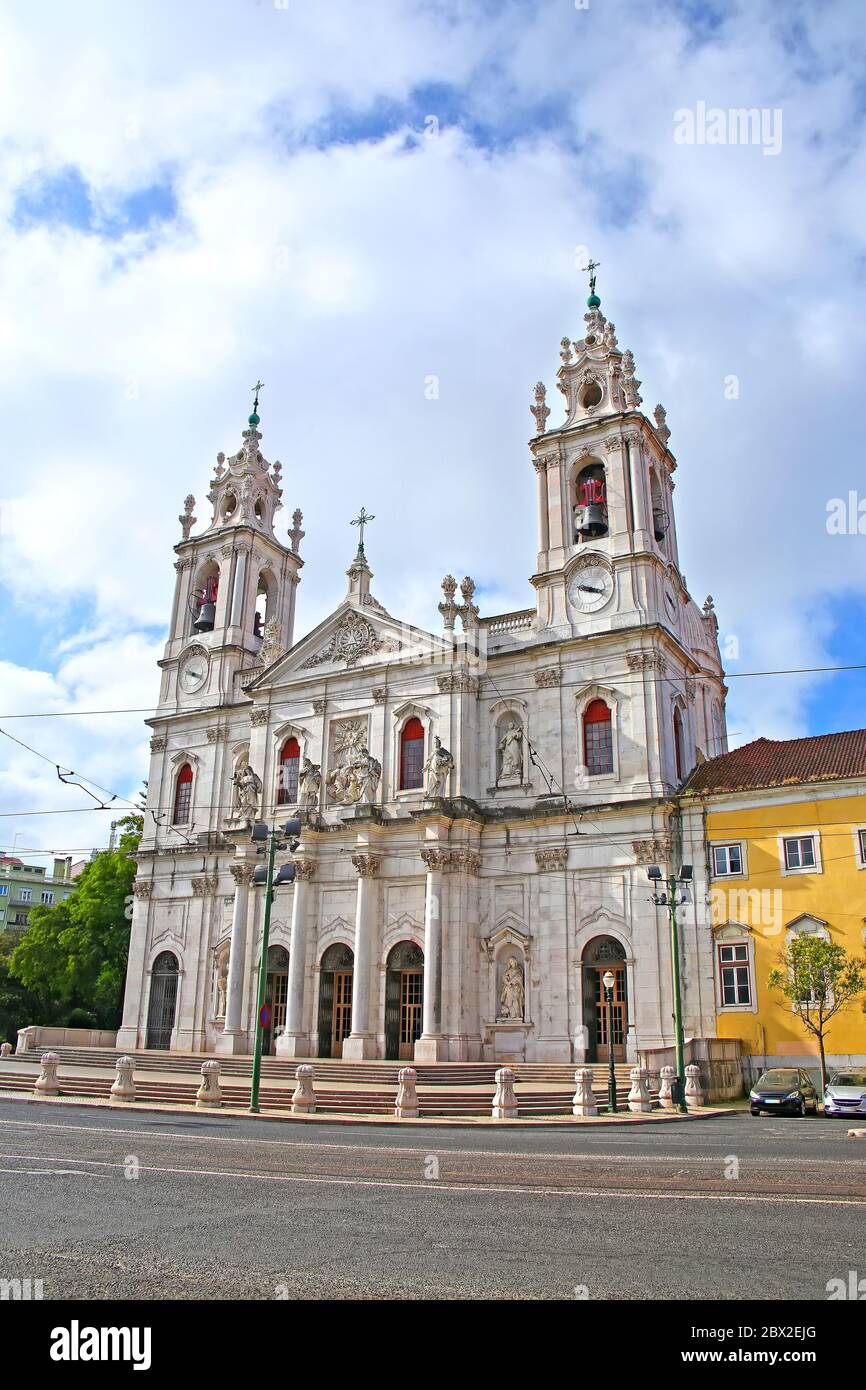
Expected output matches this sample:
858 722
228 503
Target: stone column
361 1042
540 466
430 1046
234 1038
294 1042
133 1001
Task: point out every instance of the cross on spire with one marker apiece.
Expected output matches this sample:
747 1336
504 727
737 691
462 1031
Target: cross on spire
361 521
256 389
592 267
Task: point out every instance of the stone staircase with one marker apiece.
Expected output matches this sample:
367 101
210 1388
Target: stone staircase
354 1088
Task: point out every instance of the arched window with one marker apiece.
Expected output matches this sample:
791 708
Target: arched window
183 796
590 503
597 739
412 755
678 744
287 775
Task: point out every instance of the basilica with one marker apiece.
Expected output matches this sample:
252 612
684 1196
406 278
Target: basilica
479 802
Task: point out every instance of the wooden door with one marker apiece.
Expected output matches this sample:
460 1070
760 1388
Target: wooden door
342 1025
411 1011
618 1014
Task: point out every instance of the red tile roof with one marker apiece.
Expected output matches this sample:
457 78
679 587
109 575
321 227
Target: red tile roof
780 763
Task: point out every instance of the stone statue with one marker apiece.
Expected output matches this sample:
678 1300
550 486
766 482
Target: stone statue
512 995
438 768
309 785
248 789
511 754
368 771
356 775
222 986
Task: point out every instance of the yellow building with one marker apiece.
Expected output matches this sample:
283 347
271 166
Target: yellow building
777 835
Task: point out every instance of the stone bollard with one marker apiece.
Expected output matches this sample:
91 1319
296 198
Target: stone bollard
639 1096
304 1097
209 1092
504 1099
406 1104
123 1089
47 1082
694 1094
583 1101
5 1049
666 1100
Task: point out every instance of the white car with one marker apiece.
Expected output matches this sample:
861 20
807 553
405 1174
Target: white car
846 1094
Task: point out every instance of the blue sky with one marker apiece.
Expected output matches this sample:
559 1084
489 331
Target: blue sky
192 198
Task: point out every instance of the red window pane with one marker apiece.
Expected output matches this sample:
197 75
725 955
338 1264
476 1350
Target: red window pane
287 773
597 739
183 796
412 755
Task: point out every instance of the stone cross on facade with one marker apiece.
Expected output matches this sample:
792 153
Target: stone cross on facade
361 520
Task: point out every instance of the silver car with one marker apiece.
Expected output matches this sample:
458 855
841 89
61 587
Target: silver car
846 1094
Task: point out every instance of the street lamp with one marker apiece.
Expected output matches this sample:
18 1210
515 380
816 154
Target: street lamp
608 979
275 839
671 898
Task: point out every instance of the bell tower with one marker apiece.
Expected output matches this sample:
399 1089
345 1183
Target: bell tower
234 599
607 546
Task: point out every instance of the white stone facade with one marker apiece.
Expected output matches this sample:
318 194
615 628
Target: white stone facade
518 869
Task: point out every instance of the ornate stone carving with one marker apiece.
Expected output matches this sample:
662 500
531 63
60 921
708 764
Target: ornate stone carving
296 535
247 789
181 565
319 706
551 675
435 858
549 860
448 609
466 861
510 749
540 411
660 416
438 768
309 785
305 869
646 661
242 873
355 773
690 689
203 886
460 682
380 695
186 519
654 851
353 638
217 733
158 743
512 994
367 865
142 887
259 716
272 648
612 442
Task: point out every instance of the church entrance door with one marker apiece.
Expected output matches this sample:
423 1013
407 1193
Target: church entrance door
335 999
276 994
404 999
603 954
163 1000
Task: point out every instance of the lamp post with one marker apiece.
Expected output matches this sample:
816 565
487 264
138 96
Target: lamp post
608 979
669 898
265 875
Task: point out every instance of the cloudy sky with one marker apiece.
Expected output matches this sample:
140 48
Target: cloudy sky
347 198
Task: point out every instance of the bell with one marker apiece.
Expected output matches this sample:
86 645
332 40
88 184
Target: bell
593 522
660 523
206 617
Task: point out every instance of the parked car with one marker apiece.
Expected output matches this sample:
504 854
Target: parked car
784 1090
846 1094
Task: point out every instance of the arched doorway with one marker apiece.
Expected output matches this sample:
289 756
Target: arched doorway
276 994
335 999
604 953
404 996
163 1000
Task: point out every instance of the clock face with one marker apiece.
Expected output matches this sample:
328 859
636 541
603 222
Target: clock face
193 670
590 587
671 604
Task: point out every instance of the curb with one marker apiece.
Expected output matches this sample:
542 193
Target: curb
857 1134
365 1121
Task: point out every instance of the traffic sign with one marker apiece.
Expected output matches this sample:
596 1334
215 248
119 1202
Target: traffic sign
265 1015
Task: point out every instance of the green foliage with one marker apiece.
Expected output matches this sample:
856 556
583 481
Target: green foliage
81 1018
819 979
18 1005
74 954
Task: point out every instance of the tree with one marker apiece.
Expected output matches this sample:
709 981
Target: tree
819 979
76 951
18 1005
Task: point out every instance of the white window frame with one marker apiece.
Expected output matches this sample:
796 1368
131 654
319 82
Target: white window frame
4 890
47 897
816 868
743 963
735 934
860 845
25 895
742 872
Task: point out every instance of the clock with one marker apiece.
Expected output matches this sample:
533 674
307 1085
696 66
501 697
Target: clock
590 587
193 670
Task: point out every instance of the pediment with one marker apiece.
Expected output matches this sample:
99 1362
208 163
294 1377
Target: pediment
354 637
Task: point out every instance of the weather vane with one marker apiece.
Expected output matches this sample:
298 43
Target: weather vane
592 267
361 520
257 388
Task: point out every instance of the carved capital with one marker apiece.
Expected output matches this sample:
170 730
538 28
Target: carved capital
460 681
201 887
655 851
217 733
549 860
259 716
551 675
380 695
158 743
319 706
466 861
612 442
435 858
305 869
142 887
690 688
242 873
646 661
367 865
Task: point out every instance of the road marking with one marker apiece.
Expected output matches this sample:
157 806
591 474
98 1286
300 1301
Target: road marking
440 1185
415 1148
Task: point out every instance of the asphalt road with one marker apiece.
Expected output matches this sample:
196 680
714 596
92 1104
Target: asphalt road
119 1205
